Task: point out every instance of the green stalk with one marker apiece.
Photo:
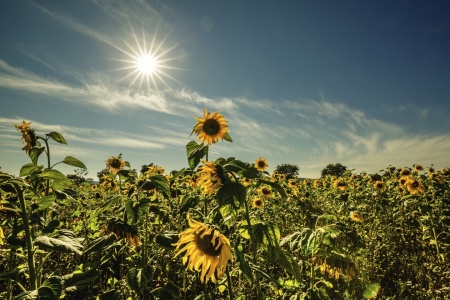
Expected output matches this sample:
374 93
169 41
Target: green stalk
47 152
230 290
434 233
206 200
12 261
252 241
30 250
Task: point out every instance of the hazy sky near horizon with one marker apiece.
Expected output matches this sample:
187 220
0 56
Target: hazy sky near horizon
363 83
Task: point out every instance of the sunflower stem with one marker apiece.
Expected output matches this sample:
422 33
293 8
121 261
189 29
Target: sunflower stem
252 240
434 233
29 242
230 289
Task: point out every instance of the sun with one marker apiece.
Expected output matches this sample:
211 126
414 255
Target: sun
147 64
148 61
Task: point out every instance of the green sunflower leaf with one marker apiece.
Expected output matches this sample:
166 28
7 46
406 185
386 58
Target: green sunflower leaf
46 202
169 291
100 244
28 169
61 244
56 137
161 184
286 261
195 153
243 265
187 202
371 291
27 295
77 281
54 175
51 288
167 239
72 161
227 137
35 153
232 192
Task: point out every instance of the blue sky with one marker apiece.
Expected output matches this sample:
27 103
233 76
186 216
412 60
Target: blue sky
363 83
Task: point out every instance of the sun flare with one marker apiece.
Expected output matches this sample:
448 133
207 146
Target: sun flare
147 64
148 61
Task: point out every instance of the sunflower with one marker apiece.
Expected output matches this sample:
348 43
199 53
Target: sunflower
122 230
154 170
415 187
356 216
379 185
258 202
405 172
247 181
261 164
403 180
204 249
340 184
211 177
265 192
115 164
211 128
418 168
193 181
292 183
108 183
316 183
28 136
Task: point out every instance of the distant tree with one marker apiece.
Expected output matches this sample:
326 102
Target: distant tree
334 170
78 177
144 168
290 171
101 173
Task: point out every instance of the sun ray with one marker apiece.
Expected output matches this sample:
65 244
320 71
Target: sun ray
147 61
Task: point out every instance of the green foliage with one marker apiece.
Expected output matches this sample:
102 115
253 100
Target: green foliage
336 169
303 240
289 170
195 152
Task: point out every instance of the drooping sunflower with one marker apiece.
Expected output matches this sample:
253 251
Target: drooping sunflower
405 172
261 164
210 177
205 249
122 230
114 164
28 136
340 184
403 180
415 187
266 192
211 127
418 168
154 170
258 202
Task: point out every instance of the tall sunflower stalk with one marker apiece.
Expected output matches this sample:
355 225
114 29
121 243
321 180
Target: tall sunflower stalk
210 129
38 178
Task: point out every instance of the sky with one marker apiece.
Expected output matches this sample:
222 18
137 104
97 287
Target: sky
361 83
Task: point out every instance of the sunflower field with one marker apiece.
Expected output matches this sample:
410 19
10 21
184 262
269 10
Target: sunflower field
223 229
